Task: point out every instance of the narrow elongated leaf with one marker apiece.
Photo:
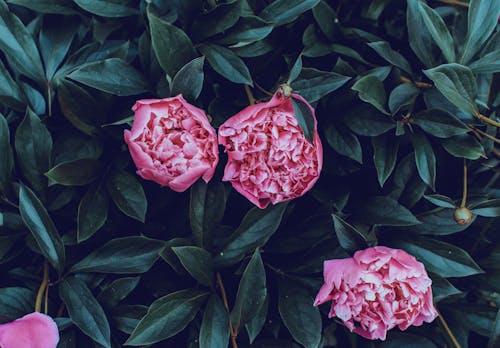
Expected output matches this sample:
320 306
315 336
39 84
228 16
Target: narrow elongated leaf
457 83
172 47
438 222
349 237
488 208
214 330
313 84
366 120
206 209
464 146
107 8
439 257
385 155
255 325
395 58
84 310
217 20
226 63
33 147
295 70
482 21
42 227
76 173
197 262
189 80
439 123
488 64
10 93
438 30
441 201
383 210
248 29
167 316
126 317
371 90
122 256
128 194
92 212
305 119
442 288
494 337
251 292
18 45
285 11
325 16
343 141
255 229
117 290
47 6
112 75
424 158
421 41
15 302
6 157
401 96
299 316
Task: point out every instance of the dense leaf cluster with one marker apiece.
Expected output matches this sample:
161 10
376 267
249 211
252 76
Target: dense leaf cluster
406 95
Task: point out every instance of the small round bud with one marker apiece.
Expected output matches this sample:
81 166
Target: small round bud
462 216
285 90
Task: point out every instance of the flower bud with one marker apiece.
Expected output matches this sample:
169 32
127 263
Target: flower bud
462 216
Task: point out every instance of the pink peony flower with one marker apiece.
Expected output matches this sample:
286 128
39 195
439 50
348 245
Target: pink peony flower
34 330
172 142
377 289
269 158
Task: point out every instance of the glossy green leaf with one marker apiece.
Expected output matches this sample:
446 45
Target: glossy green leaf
285 11
441 201
107 8
92 212
198 262
10 93
126 317
214 330
305 118
247 29
76 173
343 141
313 84
256 324
167 316
325 16
383 210
350 239
301 318
371 90
487 64
402 96
438 222
15 302
170 257
6 156
42 227
421 41
118 290
128 194
385 155
439 123
464 146
251 292
255 229
189 80
368 121
47 6
227 64
112 75
442 288
217 19
488 208
295 70
84 310
395 58
424 158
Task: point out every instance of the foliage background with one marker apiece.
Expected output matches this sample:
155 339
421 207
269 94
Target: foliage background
403 91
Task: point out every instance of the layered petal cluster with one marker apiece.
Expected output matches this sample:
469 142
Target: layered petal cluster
269 158
376 290
34 330
172 142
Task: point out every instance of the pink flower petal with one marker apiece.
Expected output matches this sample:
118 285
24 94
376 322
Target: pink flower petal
34 330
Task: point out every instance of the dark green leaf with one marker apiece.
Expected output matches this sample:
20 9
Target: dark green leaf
76 173
325 16
399 339
420 39
15 302
385 155
127 317
438 222
42 227
167 316
313 84
247 29
189 80
401 96
170 257
214 330
439 257
107 8
6 157
482 21
251 292
442 288
255 229
384 211
285 11
371 90
18 46
439 123
494 337
366 120
408 188
217 20
438 30
488 208
295 70
301 318
226 63
92 212
197 262
457 83
47 6
350 239
305 118
488 64
441 201
172 46
117 290
255 325
343 141
122 256
464 146
112 75
33 147
424 158
84 310
10 93
128 194
395 58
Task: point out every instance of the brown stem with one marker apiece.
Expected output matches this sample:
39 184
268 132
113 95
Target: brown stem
487 120
43 286
61 310
454 2
491 137
464 193
232 332
448 331
251 98
416 83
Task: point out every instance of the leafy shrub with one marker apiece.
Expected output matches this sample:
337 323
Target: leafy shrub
406 96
